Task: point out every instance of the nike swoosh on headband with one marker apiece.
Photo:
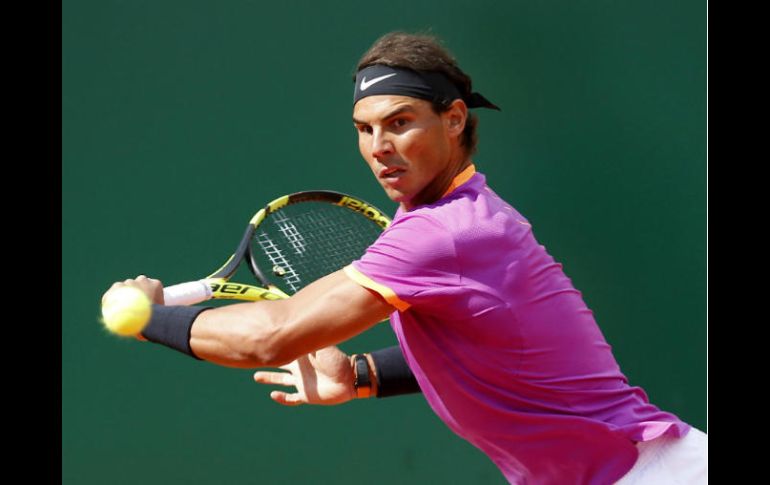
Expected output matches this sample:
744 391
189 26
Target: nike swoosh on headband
365 84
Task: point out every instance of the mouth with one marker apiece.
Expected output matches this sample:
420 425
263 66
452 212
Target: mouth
390 172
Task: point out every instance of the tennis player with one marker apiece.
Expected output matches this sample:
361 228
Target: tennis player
489 327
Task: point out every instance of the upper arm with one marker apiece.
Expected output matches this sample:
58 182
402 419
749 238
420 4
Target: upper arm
328 311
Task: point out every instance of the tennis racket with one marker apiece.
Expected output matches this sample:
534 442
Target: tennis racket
295 239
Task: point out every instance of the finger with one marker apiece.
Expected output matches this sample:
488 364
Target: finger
290 368
279 378
143 277
286 399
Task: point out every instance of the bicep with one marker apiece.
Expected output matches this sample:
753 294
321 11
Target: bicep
328 311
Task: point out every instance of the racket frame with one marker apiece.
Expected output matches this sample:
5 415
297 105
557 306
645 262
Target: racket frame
218 281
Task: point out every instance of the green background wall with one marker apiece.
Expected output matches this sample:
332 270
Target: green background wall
179 118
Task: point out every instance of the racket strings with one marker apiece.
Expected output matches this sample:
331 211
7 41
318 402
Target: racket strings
301 243
290 232
278 261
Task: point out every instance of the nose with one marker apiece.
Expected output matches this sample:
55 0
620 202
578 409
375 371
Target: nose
381 144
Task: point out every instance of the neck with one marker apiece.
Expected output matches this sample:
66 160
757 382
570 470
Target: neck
435 190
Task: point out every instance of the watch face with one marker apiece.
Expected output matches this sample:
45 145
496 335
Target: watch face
362 372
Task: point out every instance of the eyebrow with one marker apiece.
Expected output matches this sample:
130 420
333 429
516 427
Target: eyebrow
403 109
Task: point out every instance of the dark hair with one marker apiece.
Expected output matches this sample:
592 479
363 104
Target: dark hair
424 52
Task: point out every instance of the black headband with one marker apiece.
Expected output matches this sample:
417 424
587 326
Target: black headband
429 85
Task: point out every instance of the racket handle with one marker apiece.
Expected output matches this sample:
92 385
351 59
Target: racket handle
187 293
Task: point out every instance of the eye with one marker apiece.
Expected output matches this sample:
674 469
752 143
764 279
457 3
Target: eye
364 129
399 122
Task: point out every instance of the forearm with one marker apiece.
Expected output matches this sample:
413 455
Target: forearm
239 335
266 333
272 333
236 336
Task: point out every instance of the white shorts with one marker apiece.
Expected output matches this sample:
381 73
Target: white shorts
668 460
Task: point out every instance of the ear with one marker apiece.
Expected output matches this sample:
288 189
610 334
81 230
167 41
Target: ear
454 118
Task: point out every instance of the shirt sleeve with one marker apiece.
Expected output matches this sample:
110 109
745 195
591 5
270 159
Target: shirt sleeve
413 263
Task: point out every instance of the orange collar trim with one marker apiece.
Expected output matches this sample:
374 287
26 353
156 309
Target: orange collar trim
460 179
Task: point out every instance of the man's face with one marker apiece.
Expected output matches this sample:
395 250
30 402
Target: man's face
410 149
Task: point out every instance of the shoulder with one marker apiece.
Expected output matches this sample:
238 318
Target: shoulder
418 238
473 211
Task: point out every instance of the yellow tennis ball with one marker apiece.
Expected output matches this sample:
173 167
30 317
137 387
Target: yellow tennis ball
126 311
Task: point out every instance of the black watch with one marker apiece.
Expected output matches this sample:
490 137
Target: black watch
362 383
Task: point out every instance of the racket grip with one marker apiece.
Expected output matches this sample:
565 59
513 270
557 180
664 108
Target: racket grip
187 293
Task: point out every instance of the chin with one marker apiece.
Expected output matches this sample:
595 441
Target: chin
395 195
395 198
